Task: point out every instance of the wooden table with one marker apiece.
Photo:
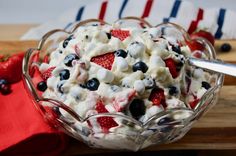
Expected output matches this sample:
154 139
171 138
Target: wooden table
215 131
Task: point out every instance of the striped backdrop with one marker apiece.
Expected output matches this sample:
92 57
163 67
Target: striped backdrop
218 21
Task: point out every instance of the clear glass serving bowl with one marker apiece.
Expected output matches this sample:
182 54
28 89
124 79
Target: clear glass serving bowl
164 127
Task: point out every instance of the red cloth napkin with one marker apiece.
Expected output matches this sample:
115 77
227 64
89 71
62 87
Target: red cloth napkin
23 130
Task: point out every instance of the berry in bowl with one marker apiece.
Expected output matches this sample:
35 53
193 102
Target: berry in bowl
125 85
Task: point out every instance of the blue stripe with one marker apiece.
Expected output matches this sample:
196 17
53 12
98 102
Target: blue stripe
220 23
68 25
79 14
174 10
122 8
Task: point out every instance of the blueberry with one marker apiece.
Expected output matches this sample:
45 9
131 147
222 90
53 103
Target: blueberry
64 74
121 53
108 35
176 49
5 89
69 58
140 66
66 41
226 47
173 90
149 83
92 84
206 85
82 85
137 108
179 66
3 81
42 86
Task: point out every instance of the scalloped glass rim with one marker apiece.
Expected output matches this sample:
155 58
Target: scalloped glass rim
37 98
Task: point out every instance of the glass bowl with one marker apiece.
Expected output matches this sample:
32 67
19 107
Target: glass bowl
164 127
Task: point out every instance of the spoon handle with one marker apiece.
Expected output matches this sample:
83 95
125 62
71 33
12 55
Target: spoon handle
217 66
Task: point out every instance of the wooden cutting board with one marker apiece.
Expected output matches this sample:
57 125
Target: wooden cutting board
216 130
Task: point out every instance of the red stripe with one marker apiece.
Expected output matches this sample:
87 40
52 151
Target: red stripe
193 25
103 10
147 8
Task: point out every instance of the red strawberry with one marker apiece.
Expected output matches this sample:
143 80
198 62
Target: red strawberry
203 34
11 67
194 45
121 34
197 54
105 122
105 60
48 73
172 65
194 103
157 97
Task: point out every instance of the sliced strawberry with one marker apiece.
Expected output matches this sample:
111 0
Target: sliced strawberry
194 45
121 34
105 122
157 97
203 34
194 103
48 73
197 54
105 60
172 65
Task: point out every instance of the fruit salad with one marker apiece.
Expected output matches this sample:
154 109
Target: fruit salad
131 71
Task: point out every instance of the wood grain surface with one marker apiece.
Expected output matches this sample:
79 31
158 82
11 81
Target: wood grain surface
216 130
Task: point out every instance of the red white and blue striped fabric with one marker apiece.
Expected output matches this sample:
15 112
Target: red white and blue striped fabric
217 21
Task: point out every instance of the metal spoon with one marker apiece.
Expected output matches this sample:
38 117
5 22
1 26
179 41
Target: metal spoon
214 65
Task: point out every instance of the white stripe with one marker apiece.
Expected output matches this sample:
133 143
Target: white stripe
228 28
209 22
113 9
134 8
160 10
91 11
186 14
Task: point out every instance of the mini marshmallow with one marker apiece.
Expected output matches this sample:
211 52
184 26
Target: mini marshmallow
136 49
121 64
139 86
154 32
148 82
198 73
76 92
174 103
156 61
43 67
105 75
52 83
150 112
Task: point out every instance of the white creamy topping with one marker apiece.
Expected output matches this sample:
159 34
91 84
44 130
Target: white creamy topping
119 86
